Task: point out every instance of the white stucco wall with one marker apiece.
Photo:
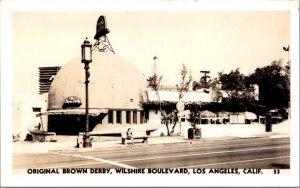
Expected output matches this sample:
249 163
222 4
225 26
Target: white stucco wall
226 130
23 116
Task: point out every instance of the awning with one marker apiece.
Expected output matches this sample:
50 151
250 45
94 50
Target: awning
173 96
223 114
92 112
250 115
207 114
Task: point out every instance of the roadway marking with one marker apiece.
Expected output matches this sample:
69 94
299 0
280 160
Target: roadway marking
197 154
98 159
178 148
233 162
72 165
278 136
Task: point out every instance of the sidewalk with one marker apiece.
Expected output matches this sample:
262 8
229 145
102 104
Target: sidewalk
68 143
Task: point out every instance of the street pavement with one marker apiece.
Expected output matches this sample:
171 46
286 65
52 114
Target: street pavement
267 150
267 153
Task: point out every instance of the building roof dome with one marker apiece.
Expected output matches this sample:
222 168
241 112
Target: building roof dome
114 83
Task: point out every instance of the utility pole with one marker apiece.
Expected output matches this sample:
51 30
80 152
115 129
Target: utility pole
287 49
205 77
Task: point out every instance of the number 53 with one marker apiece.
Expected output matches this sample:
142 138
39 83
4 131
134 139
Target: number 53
276 171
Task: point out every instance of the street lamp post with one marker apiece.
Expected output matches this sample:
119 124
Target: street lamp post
86 55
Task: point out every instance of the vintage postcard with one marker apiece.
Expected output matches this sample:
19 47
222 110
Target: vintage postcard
149 93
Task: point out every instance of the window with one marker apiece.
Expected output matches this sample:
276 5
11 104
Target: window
110 117
146 116
142 117
36 109
135 117
128 117
119 117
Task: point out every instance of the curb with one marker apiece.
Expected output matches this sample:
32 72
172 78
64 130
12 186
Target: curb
174 141
116 147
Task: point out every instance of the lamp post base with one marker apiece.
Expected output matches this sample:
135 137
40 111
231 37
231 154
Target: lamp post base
87 141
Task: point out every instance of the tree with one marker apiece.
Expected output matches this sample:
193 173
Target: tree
232 83
203 82
237 86
155 82
274 85
183 86
184 82
217 94
194 116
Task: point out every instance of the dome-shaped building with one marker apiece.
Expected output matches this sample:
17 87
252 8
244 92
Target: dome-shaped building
116 90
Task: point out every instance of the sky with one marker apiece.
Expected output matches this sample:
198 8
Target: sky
217 41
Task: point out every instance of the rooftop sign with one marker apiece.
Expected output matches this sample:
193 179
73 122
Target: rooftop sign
101 29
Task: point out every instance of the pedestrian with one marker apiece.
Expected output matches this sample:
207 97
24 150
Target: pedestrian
129 135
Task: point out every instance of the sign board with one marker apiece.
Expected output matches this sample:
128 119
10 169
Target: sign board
180 106
72 100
